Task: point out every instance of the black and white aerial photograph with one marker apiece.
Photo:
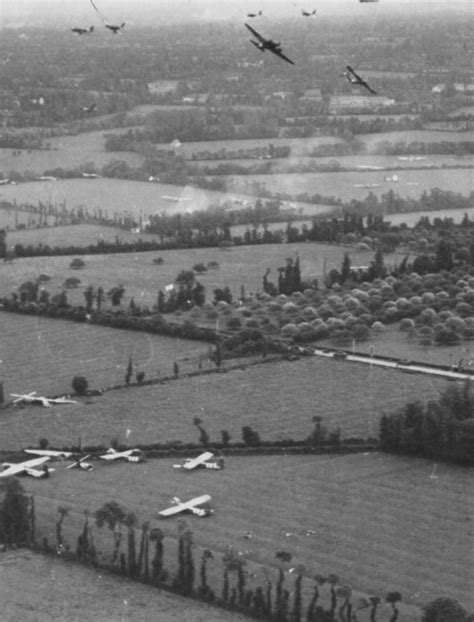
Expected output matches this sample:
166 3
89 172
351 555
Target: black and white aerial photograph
237 310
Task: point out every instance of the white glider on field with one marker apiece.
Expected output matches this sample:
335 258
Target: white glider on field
32 398
27 468
130 455
188 506
202 461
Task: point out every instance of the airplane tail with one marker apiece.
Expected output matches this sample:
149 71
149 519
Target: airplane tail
176 500
91 29
111 450
122 25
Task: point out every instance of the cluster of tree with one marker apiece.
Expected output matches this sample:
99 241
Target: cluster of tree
185 293
17 517
441 429
289 279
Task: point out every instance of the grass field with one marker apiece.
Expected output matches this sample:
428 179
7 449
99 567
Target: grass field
278 400
380 523
67 152
356 185
52 589
44 354
116 195
142 279
382 161
74 235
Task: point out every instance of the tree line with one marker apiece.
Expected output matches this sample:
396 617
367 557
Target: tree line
441 429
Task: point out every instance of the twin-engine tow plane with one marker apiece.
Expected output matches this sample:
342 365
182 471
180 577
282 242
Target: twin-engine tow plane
188 506
202 461
130 455
32 398
268 44
27 468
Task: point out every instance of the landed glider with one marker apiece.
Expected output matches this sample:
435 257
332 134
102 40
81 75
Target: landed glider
188 506
202 461
129 455
27 468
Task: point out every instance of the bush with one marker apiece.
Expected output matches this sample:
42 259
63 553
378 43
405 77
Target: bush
77 263
79 385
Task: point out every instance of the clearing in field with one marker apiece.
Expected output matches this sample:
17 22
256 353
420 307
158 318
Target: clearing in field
378 522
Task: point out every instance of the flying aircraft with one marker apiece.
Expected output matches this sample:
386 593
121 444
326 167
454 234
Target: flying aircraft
368 0
27 468
83 31
111 27
354 78
130 455
51 453
201 461
267 44
32 398
115 29
254 14
307 13
81 464
188 506
90 108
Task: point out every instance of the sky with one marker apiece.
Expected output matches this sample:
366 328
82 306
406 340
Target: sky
23 12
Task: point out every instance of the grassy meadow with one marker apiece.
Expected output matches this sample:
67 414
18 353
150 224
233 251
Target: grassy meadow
44 354
116 195
278 400
356 184
67 152
52 589
142 279
379 522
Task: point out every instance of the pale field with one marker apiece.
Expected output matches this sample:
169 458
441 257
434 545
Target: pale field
117 195
67 152
379 522
357 185
40 588
277 399
142 279
350 162
72 235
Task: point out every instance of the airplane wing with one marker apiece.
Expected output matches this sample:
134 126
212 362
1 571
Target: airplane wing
281 55
13 469
49 452
110 456
192 464
256 34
